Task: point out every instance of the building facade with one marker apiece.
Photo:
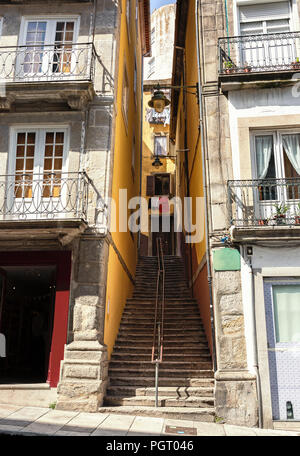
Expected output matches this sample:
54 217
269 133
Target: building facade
248 74
158 178
70 139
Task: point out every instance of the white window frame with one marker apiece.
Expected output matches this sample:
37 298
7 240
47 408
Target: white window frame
167 144
294 15
39 150
51 20
278 151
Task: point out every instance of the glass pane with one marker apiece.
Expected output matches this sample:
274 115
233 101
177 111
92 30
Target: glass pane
286 301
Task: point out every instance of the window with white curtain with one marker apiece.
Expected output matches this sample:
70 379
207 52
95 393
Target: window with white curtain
271 17
160 145
276 154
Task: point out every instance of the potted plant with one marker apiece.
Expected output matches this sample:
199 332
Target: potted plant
247 68
297 217
281 210
296 63
263 222
228 65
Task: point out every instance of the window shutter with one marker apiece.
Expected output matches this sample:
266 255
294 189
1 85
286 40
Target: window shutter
264 11
150 185
173 184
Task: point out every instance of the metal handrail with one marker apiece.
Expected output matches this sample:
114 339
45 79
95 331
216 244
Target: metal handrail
158 330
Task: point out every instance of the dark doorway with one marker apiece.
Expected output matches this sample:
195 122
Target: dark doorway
167 237
26 320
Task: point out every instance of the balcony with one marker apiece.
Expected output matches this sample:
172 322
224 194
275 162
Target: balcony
253 58
267 209
48 72
54 205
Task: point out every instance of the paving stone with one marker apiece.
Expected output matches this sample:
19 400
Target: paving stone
115 423
6 410
152 425
238 431
84 422
24 416
209 429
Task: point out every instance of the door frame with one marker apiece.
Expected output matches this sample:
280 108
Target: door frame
62 261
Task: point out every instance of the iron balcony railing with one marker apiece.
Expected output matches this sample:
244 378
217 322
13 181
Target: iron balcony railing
260 53
264 202
53 63
29 196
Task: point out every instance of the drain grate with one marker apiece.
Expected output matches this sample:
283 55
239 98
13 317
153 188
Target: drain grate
180 430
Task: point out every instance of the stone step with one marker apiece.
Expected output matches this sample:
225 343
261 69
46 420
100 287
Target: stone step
169 391
180 413
189 350
166 357
178 382
169 334
163 401
171 303
170 315
168 327
146 372
185 366
146 340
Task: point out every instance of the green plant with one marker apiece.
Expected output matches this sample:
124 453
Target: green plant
281 209
219 420
228 64
52 405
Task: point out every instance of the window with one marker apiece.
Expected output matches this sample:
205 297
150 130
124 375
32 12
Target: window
38 155
160 145
262 19
151 67
125 95
271 17
286 303
277 156
48 46
1 25
152 36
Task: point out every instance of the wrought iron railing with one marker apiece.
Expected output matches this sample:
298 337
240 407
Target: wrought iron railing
264 202
53 63
29 196
260 53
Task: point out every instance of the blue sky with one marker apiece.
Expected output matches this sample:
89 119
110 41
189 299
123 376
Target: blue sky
157 3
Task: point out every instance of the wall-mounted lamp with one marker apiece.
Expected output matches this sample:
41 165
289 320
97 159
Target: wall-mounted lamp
159 101
157 163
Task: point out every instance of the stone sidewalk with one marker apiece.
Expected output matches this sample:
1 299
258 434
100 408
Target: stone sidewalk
18 420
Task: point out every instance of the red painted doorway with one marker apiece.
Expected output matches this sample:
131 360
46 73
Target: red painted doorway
35 315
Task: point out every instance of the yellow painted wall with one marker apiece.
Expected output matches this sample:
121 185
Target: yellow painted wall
119 286
149 131
195 254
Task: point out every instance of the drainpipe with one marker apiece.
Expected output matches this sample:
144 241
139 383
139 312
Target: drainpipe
254 337
205 191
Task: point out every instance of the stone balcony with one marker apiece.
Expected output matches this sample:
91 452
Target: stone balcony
254 61
47 206
262 210
66 74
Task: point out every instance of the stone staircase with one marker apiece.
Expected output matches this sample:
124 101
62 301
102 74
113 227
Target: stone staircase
186 383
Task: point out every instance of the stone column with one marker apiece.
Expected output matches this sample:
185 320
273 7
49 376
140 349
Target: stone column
235 394
83 376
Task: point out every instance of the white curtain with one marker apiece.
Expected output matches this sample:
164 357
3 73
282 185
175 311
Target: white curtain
286 300
291 144
264 148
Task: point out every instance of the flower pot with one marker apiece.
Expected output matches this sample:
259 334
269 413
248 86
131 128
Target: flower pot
280 219
297 220
296 65
263 222
247 69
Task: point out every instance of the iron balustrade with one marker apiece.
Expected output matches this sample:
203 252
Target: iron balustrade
53 63
260 53
262 202
30 196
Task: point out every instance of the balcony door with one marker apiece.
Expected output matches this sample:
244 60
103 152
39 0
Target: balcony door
37 167
46 49
268 50
276 163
